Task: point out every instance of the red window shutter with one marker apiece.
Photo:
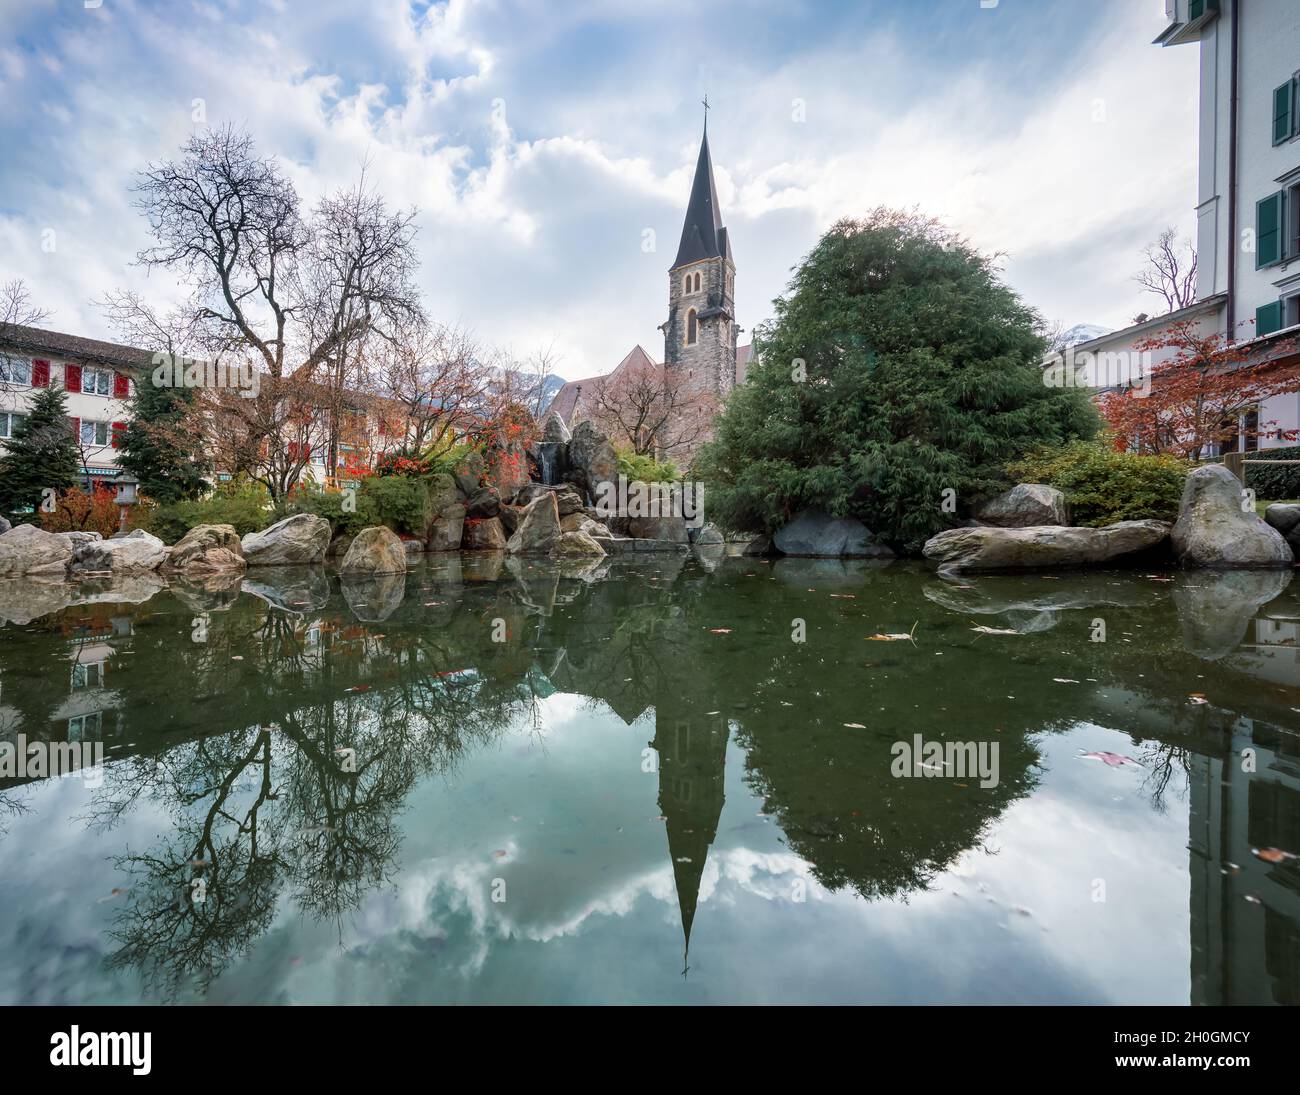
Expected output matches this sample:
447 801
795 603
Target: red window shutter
40 373
76 428
118 428
72 377
121 386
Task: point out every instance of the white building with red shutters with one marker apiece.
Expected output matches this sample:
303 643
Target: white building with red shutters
97 378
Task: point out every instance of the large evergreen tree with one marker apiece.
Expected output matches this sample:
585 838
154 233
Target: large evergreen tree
42 454
897 367
158 446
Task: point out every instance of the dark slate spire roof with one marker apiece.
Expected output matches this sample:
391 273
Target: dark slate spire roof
703 236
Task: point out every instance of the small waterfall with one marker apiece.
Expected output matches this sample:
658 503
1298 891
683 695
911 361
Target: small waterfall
547 453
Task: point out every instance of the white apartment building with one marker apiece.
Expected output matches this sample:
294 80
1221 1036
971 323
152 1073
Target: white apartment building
97 377
1248 205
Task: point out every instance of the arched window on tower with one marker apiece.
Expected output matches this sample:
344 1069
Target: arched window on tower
697 283
692 327
689 281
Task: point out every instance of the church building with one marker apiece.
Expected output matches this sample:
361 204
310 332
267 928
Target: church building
701 361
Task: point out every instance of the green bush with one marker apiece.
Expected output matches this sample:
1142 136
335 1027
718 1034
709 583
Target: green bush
329 504
1271 481
646 469
246 506
401 502
1104 486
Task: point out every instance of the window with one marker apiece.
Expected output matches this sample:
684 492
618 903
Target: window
1268 318
9 422
1269 238
88 675
697 283
692 327
690 281
81 725
94 433
1284 112
15 371
96 381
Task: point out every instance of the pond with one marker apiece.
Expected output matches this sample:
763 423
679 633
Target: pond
665 779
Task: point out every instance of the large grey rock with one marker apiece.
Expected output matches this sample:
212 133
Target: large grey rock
1024 505
483 534
484 502
5 526
376 550
709 534
206 549
447 529
469 473
136 553
592 459
580 522
1285 517
373 599
1043 547
1214 531
80 537
443 492
298 540
669 526
815 532
555 429
576 543
29 549
539 527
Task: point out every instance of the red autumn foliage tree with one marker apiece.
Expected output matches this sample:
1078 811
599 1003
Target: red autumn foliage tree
1195 399
75 510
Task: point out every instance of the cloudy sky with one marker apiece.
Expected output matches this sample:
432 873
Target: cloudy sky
539 141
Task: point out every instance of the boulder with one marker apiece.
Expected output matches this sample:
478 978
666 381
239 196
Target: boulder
1214 531
469 473
1024 505
80 538
446 530
135 553
483 534
206 549
1285 517
339 545
759 545
580 522
484 502
816 533
297 540
539 527
1042 547
709 534
510 517
668 526
508 466
576 543
555 429
376 550
5 526
413 548
29 549
443 492
591 457
1215 610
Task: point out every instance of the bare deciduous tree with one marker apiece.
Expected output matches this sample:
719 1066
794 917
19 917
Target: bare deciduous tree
650 411
1170 270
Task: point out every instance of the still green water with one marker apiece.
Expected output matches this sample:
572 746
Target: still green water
649 791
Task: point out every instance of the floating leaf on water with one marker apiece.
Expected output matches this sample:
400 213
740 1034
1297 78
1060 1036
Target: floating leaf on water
236 657
358 688
1065 680
1111 760
1197 697
895 636
846 596
500 853
855 726
116 891
1273 855
984 630
1252 899
719 631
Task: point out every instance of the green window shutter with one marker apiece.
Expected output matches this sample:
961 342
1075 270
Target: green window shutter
1268 318
1268 230
1283 110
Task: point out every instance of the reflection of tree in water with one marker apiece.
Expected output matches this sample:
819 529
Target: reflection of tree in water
304 805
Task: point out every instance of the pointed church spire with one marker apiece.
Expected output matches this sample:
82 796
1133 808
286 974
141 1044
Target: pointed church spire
703 236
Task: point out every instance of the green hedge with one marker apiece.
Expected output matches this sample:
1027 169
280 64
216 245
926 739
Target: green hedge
1104 486
1272 482
399 501
246 506
646 469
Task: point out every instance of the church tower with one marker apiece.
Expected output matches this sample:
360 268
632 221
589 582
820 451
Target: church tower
700 335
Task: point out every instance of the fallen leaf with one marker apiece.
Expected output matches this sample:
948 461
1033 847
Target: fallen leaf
719 631
1111 760
1064 680
855 726
1197 697
1273 855
983 630
358 688
500 853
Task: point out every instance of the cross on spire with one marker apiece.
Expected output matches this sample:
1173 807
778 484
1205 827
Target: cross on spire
705 101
